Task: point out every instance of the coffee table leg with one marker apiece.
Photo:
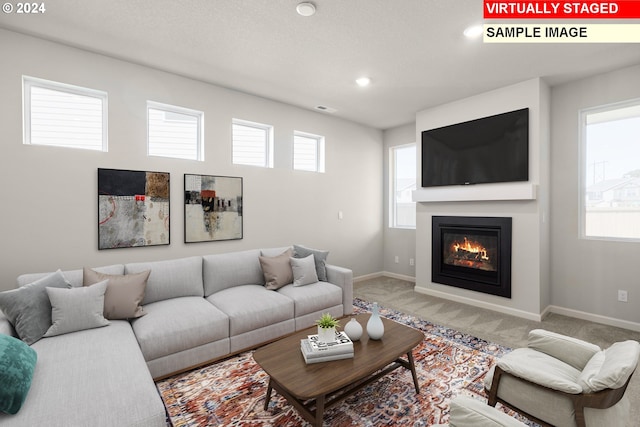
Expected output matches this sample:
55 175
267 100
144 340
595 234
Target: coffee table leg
268 396
413 371
319 410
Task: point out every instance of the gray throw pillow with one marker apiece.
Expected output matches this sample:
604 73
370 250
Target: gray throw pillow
28 307
277 270
77 309
124 292
320 258
304 271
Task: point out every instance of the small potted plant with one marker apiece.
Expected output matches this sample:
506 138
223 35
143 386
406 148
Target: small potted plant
327 327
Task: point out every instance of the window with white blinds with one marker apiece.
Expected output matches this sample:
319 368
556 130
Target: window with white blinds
308 152
62 115
174 132
252 143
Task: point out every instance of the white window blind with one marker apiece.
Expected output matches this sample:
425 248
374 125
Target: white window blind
174 132
308 152
61 115
252 143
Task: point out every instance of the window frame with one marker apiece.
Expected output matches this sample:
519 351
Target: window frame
269 151
319 151
392 186
583 168
29 82
168 108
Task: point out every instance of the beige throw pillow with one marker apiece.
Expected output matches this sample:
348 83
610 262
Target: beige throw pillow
124 293
277 270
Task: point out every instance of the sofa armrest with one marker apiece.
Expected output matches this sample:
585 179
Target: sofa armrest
571 351
6 327
469 412
342 277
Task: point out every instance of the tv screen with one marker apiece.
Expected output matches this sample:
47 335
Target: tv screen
485 150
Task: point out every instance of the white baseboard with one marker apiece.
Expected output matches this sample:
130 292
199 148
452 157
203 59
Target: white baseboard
399 276
385 274
605 320
368 276
482 304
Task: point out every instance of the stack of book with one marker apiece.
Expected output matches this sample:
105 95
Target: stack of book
315 351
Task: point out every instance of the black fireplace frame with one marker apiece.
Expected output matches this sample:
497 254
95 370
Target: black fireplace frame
496 283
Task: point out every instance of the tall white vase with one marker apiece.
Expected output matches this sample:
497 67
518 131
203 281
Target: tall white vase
375 328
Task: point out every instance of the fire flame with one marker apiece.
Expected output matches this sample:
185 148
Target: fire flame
475 248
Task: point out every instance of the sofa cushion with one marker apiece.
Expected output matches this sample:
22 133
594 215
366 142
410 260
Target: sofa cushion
610 368
252 307
76 309
277 270
222 271
17 362
174 278
312 298
304 271
178 324
320 258
96 377
570 350
28 307
124 294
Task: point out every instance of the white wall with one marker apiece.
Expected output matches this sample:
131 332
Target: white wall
400 242
530 229
49 199
586 274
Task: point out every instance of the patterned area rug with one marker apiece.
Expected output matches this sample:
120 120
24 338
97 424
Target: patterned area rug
231 392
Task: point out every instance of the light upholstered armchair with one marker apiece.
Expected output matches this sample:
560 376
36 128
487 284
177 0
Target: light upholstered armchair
563 381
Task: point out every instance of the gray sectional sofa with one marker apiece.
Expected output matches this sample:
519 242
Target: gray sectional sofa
198 309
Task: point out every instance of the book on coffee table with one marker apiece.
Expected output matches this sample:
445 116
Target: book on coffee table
327 358
316 351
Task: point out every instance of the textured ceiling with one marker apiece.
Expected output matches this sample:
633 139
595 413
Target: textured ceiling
413 50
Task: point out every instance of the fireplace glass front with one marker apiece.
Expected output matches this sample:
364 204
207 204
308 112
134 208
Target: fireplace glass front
473 253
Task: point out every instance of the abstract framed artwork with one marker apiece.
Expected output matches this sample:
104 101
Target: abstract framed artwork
133 208
212 208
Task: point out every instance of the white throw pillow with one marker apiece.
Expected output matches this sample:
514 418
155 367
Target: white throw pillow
304 271
76 309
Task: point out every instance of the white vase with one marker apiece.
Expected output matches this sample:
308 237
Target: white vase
375 328
326 334
353 329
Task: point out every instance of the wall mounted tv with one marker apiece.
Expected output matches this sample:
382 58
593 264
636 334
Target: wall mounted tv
485 150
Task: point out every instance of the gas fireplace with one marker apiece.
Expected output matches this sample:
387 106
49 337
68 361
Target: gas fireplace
472 253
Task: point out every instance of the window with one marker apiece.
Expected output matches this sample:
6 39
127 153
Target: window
252 144
174 132
402 171
308 152
610 190
62 115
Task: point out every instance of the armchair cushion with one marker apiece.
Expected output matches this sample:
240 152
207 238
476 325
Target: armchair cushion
610 368
541 369
469 412
570 350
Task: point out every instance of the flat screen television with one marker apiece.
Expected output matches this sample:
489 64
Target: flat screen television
485 150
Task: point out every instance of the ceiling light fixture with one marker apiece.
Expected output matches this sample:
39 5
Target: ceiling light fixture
306 9
473 31
363 81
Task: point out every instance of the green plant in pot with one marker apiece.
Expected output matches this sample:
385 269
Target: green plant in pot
327 327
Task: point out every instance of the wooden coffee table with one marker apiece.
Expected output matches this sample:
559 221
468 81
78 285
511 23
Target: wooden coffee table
312 388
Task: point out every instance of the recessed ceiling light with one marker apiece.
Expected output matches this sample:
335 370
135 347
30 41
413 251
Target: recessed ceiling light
363 81
474 31
306 9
